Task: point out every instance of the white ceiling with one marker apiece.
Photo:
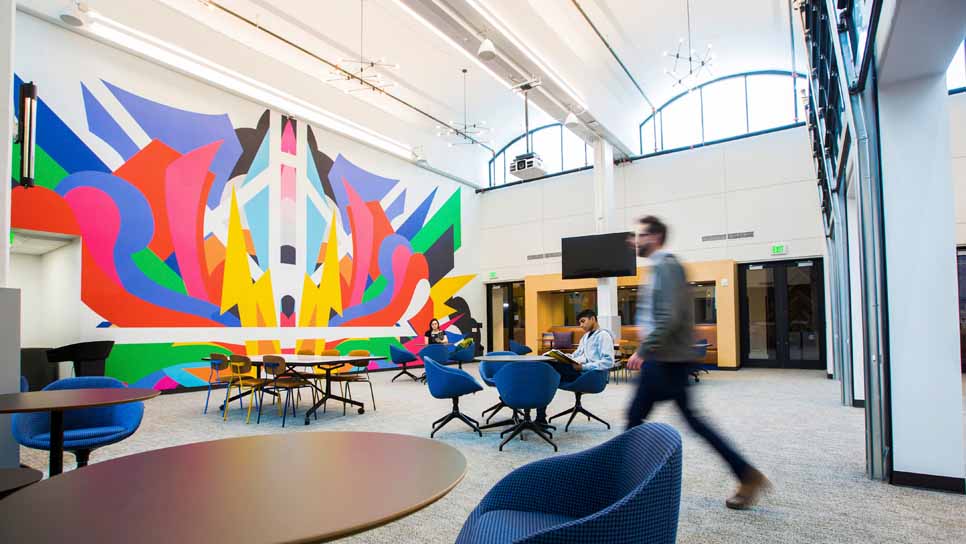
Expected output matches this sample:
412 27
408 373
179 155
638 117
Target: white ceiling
27 242
746 35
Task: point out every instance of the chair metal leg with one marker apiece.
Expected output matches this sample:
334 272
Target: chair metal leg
82 456
455 414
207 398
288 394
516 430
372 394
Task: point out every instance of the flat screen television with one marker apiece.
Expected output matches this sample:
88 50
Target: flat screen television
597 256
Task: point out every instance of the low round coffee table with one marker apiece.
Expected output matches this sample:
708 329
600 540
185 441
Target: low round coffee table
58 400
301 487
12 479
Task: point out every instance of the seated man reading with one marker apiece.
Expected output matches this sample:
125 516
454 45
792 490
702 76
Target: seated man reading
595 352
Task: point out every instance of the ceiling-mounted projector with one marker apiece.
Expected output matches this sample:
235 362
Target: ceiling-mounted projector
527 166
487 51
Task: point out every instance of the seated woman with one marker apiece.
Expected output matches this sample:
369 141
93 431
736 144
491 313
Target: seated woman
435 335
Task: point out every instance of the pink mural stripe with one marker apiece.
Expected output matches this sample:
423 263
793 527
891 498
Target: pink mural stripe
184 182
100 222
400 262
360 219
288 183
166 383
288 138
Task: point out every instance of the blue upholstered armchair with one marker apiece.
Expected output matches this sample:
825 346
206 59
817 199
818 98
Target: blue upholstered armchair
526 386
519 348
402 357
463 355
450 383
488 370
590 382
85 429
436 352
636 483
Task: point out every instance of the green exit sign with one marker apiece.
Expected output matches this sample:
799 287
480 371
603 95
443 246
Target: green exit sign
492 275
779 249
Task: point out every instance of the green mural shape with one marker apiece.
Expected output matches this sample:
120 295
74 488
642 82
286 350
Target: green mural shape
131 362
47 173
447 216
375 289
159 272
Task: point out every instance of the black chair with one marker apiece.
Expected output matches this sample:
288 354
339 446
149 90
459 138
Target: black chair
88 357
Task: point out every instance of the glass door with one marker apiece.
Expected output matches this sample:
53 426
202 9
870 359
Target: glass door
505 313
783 314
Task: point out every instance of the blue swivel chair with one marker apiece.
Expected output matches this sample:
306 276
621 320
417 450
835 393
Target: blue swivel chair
590 382
636 483
463 355
524 387
700 351
519 348
488 370
402 357
84 429
436 352
450 383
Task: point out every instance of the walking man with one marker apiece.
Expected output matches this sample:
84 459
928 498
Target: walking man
667 348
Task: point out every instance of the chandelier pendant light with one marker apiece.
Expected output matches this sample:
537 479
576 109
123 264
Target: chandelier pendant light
366 75
695 64
464 132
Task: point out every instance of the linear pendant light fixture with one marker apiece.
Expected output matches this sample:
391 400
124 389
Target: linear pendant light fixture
187 62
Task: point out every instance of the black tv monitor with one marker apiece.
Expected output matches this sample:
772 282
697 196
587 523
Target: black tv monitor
597 256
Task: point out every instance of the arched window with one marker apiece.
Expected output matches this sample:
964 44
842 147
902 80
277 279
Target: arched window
560 149
724 108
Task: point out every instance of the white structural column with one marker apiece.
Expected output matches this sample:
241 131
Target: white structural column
8 11
605 220
9 298
916 42
855 289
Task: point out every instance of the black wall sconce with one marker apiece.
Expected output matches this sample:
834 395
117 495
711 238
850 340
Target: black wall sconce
27 133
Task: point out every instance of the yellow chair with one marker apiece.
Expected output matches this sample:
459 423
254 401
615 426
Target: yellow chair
360 375
241 367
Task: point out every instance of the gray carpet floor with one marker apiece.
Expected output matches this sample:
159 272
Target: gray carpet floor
787 422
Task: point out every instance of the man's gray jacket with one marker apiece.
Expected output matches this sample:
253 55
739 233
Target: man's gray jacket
664 313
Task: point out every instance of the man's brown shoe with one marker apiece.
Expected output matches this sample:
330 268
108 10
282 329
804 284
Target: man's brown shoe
751 486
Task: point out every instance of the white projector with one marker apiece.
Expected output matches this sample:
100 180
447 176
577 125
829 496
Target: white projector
527 166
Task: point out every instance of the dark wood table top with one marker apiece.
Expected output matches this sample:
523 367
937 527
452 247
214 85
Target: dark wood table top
14 478
299 487
67 399
516 358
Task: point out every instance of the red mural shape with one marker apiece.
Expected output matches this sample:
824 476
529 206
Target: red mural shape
146 171
39 208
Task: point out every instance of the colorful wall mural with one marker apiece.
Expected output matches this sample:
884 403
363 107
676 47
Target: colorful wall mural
219 226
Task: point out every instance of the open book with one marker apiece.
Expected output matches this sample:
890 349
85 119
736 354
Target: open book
562 357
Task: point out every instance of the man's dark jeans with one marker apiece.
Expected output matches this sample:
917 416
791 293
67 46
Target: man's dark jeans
669 381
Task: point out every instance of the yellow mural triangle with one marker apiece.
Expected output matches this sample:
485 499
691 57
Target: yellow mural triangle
330 288
444 290
237 280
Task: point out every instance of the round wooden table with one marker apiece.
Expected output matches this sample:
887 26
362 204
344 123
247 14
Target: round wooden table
300 487
12 479
57 401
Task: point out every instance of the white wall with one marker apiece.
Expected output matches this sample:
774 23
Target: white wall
764 184
24 273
